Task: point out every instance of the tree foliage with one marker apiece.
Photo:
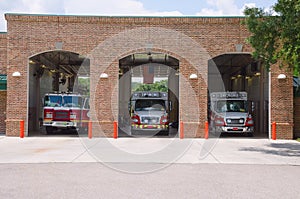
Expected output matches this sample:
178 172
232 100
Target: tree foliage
276 33
157 86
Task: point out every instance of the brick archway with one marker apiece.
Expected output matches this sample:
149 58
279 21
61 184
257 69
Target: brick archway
192 60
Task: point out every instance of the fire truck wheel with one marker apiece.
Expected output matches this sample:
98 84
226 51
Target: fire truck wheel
49 129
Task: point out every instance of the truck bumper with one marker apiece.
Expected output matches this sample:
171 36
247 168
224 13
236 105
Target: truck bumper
60 124
149 127
244 129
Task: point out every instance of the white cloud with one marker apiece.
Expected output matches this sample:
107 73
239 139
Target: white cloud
221 8
30 7
77 7
101 7
112 7
249 5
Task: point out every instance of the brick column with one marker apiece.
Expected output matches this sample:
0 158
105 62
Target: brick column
192 101
282 102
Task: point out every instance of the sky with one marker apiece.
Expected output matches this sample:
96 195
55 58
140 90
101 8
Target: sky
130 7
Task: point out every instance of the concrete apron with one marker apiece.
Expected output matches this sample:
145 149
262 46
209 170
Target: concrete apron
149 150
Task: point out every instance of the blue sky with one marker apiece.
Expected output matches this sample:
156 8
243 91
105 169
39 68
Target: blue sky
130 7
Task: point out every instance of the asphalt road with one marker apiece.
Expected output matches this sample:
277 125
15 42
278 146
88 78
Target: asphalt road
95 180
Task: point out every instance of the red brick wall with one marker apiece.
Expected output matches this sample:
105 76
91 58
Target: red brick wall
297 117
105 40
2 111
3 50
282 102
3 94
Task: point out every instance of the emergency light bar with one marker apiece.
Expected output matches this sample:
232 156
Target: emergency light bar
149 94
228 95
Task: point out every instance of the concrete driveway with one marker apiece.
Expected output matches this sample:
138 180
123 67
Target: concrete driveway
149 150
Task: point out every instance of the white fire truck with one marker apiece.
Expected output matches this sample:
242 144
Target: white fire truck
229 113
65 111
149 113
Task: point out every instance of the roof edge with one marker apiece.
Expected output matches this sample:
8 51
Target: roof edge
117 16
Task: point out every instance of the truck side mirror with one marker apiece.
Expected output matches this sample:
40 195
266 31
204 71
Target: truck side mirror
170 106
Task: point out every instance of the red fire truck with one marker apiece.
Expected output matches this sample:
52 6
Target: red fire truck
65 111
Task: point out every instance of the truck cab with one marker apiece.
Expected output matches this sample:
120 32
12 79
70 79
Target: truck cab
64 111
149 113
229 113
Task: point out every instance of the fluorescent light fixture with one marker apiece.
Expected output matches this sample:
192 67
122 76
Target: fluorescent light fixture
257 74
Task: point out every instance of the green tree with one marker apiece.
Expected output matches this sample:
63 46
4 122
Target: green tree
157 86
276 33
84 86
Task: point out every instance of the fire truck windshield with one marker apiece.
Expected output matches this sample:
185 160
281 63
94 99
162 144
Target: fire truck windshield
150 105
72 101
231 106
53 100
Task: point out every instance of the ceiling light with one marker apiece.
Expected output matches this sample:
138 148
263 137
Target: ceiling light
257 74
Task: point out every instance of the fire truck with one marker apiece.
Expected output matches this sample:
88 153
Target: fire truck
149 113
229 113
65 111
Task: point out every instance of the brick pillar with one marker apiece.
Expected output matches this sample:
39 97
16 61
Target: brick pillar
192 101
105 101
282 102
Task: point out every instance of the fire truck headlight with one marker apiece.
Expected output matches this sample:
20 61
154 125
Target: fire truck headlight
165 120
73 116
49 115
135 120
241 121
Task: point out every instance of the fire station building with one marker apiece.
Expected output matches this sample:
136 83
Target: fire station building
197 55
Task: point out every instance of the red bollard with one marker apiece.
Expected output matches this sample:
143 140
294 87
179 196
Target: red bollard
181 133
206 130
22 129
115 130
274 131
90 135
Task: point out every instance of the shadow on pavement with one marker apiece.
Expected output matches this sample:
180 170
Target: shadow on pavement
279 149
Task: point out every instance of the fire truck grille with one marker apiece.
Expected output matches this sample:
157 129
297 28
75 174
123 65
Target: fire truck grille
61 115
150 120
235 121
